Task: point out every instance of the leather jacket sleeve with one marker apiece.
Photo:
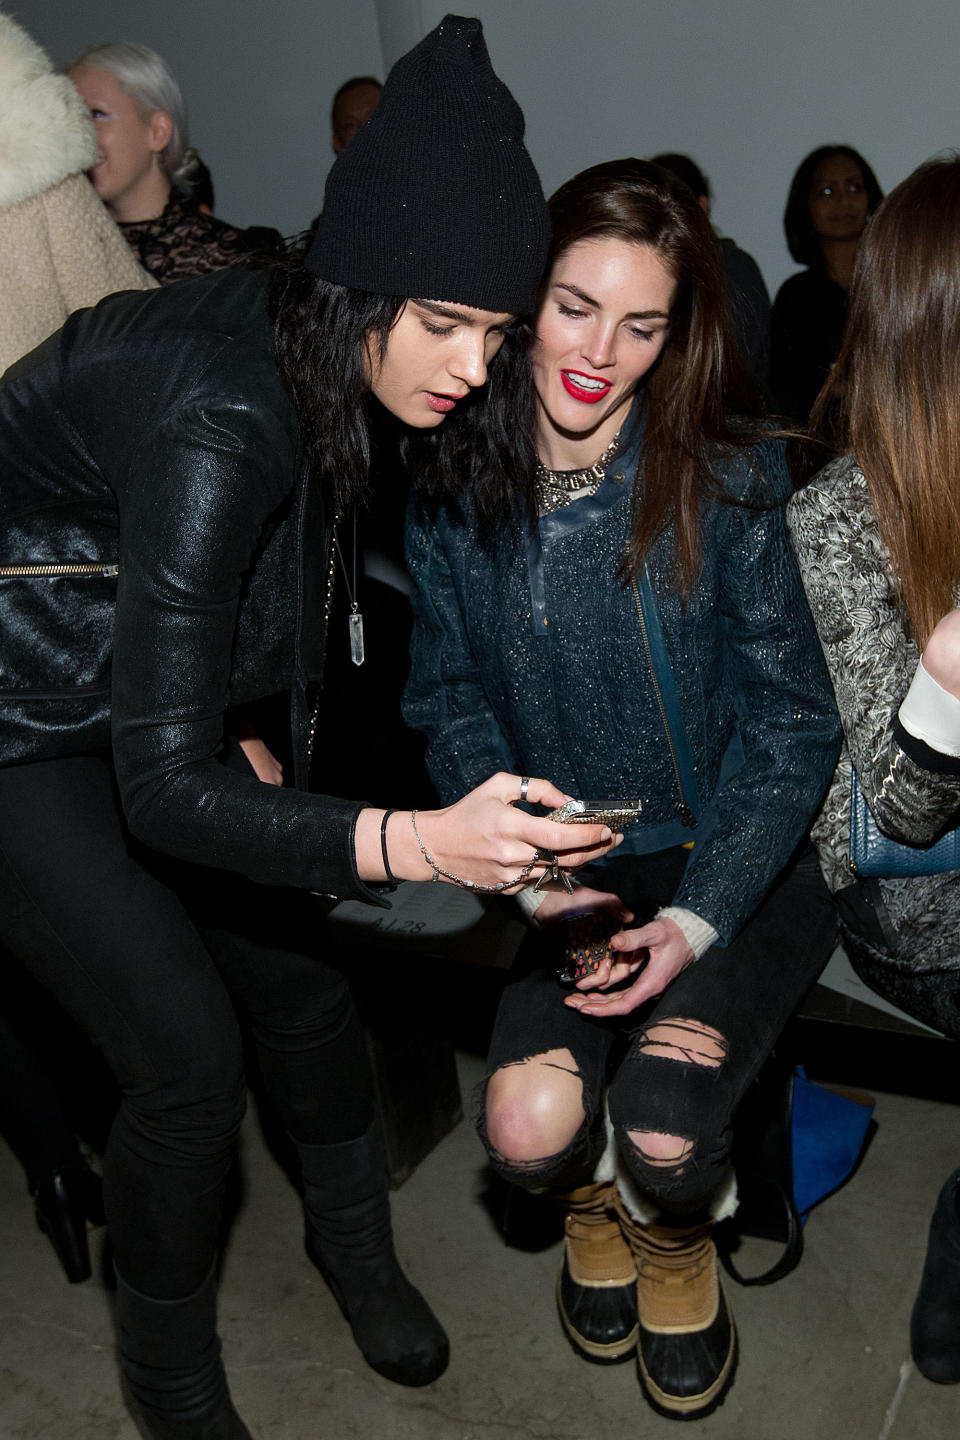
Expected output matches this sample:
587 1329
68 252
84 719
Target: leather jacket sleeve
200 493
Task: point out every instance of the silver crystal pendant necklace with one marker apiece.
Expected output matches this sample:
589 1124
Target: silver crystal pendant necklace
354 619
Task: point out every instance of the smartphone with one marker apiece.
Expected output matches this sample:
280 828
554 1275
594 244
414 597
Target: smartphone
615 813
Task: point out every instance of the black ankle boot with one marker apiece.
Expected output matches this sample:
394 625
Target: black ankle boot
63 1202
173 1378
935 1322
349 1239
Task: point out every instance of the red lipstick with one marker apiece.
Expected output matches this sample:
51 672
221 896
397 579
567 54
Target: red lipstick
596 392
441 403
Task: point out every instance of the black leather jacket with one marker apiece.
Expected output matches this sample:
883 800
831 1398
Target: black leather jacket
151 445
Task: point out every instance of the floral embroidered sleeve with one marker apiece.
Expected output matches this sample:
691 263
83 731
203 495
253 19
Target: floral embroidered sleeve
872 659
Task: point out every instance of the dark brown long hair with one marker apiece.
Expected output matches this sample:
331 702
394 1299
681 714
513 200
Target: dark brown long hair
896 385
698 380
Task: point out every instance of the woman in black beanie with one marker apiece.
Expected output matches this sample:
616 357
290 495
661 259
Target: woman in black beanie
174 468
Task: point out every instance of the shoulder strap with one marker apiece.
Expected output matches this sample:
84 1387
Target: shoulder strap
663 680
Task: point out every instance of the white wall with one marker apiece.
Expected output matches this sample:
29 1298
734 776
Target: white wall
746 87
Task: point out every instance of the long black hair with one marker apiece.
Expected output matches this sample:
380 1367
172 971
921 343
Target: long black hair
326 337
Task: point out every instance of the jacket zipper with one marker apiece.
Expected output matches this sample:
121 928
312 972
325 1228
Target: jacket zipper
11 571
683 809
327 607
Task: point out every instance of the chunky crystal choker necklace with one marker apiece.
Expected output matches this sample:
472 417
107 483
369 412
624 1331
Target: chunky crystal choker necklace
556 488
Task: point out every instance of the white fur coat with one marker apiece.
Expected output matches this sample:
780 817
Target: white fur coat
59 249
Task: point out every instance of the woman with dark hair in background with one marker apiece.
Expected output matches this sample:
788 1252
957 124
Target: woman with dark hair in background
832 195
145 171
173 466
630 619
878 537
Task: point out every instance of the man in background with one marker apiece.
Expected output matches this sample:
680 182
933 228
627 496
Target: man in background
749 298
353 105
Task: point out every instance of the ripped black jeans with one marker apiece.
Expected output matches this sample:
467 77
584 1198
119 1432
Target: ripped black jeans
744 993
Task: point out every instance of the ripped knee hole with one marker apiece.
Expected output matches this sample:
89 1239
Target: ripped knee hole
532 1117
683 1040
661 1150
567 1063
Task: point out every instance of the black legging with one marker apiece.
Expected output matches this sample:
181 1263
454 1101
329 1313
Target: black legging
149 957
32 1118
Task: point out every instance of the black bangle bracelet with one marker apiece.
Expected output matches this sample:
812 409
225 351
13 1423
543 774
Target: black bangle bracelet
383 847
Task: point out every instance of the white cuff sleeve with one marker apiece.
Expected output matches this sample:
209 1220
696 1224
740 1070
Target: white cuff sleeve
931 714
530 901
699 934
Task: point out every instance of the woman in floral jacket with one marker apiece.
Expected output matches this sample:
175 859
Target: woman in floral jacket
878 537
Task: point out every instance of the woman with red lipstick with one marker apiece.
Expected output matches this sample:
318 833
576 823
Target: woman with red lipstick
632 622
174 465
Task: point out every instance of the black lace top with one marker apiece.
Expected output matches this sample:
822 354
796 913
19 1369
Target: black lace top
184 241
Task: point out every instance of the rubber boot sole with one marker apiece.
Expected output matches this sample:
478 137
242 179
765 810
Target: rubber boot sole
614 1353
691 1407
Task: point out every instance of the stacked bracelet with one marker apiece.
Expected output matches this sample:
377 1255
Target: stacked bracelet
383 847
438 869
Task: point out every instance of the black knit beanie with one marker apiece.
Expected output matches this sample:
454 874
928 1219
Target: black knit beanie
436 197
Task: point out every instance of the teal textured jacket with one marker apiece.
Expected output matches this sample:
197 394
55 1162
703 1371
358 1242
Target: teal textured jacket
529 657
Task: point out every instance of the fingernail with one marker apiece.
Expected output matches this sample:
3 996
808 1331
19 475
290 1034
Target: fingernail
605 833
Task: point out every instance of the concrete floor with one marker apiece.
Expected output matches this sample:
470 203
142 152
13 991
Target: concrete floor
824 1352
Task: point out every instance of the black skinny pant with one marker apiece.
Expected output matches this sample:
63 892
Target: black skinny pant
746 992
150 957
32 1117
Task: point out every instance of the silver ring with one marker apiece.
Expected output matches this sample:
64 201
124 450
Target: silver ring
524 787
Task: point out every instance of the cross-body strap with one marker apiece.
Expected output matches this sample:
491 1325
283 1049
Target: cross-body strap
689 805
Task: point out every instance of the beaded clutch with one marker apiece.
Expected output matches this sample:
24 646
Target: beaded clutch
586 945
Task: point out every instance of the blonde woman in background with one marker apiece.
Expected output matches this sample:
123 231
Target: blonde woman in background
144 170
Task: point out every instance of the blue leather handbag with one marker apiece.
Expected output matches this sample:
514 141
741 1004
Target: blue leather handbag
873 853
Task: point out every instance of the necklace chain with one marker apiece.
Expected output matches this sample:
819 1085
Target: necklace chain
354 619
556 488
